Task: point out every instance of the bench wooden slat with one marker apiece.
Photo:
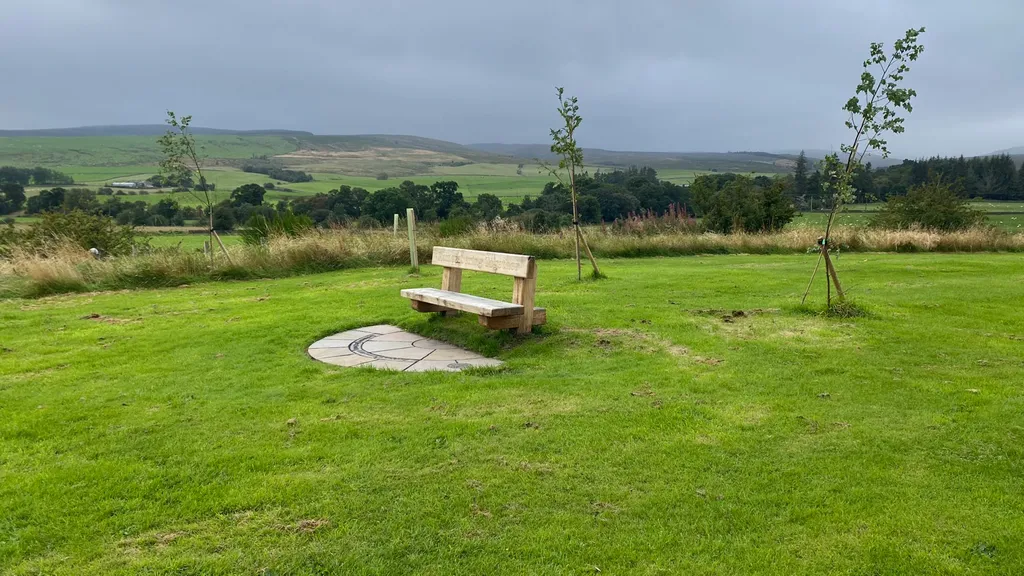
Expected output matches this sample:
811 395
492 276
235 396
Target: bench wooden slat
517 265
464 302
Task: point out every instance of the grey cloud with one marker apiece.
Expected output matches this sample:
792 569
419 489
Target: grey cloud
725 75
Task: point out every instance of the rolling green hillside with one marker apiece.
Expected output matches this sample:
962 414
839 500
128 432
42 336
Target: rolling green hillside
62 151
740 162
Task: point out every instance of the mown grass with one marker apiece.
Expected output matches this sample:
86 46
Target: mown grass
639 432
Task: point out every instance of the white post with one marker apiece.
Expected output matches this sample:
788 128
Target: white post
410 215
395 233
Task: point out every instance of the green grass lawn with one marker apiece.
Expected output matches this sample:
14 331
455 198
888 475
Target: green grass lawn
638 432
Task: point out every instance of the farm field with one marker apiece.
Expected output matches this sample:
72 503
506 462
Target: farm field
188 241
509 187
1006 215
185 430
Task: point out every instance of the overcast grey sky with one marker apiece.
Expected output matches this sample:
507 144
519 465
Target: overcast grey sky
651 75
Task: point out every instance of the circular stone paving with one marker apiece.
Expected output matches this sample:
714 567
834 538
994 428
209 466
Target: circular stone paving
391 348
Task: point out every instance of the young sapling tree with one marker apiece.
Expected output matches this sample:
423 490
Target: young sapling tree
182 157
874 111
570 160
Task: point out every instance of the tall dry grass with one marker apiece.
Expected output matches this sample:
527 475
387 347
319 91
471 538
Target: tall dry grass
67 268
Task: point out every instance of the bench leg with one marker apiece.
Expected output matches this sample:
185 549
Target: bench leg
523 293
451 280
512 322
426 307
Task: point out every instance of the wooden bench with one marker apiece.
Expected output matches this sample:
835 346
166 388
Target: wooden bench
519 314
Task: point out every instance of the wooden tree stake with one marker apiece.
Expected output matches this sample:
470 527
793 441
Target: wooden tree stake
832 271
222 248
410 215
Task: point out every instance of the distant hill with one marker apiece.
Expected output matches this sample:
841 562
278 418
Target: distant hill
140 130
720 161
818 154
1015 151
384 142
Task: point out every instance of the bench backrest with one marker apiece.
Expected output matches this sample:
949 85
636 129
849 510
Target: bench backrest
517 265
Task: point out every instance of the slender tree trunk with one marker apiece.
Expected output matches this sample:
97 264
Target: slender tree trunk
575 220
209 213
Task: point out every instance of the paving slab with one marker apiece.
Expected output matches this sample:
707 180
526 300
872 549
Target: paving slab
386 347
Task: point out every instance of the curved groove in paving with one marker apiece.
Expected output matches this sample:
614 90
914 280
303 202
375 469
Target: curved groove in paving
391 348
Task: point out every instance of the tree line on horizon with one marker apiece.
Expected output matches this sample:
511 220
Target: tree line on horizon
980 177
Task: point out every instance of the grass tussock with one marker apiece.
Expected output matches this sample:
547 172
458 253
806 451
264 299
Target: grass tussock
65 267
845 309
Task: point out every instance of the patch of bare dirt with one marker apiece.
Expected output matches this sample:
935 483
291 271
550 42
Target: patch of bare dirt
611 338
305 526
110 319
721 312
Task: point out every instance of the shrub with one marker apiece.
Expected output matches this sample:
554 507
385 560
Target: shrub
12 197
223 218
736 204
76 227
539 221
456 226
382 176
932 206
260 229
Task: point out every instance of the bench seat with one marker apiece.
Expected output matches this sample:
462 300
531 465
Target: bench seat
493 314
463 302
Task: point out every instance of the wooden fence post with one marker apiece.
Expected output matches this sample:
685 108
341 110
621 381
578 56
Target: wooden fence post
395 233
410 215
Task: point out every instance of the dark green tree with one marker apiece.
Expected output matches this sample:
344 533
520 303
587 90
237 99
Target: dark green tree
800 176
223 218
251 194
383 204
79 199
590 209
1020 183
12 175
446 197
487 206
12 197
46 201
167 207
